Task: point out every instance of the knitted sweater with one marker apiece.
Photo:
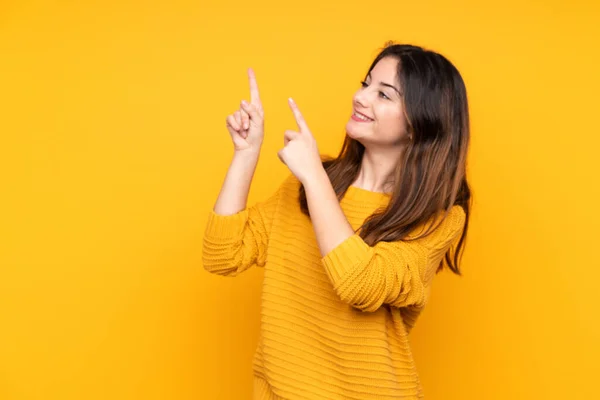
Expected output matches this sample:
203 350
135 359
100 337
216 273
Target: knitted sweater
333 327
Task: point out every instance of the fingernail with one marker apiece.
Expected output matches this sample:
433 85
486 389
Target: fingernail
244 102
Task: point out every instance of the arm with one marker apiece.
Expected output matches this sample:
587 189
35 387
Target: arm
366 277
329 222
234 192
237 239
246 128
395 273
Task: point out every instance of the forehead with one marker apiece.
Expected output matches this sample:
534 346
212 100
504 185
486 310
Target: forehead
385 69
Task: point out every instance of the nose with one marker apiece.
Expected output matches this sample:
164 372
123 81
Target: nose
360 99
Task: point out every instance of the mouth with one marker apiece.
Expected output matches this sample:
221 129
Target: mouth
360 117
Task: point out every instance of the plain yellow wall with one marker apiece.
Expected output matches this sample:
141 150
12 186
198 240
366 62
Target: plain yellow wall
113 149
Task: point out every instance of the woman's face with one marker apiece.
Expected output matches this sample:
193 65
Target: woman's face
377 115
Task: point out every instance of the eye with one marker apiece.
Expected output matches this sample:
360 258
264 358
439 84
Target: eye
383 95
363 84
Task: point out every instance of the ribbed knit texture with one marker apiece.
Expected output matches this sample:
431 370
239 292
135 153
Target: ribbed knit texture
333 327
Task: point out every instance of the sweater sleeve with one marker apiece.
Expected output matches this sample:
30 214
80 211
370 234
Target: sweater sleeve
234 243
394 273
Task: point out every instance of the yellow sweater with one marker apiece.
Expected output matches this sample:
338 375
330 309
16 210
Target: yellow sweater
333 327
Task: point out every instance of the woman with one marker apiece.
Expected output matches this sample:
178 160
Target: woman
350 245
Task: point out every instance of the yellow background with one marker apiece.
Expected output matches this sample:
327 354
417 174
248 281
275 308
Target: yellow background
113 149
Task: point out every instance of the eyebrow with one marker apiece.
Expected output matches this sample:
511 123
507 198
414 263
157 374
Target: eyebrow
387 85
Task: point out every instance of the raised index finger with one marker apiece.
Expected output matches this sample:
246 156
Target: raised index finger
302 126
254 96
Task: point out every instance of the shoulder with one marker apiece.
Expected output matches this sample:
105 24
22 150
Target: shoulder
451 226
286 192
290 185
452 221
291 181
456 218
444 227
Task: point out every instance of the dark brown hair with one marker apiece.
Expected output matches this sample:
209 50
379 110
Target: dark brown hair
431 176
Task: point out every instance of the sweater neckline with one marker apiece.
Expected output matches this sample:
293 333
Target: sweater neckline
360 194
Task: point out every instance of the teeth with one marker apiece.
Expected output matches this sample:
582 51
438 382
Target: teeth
361 117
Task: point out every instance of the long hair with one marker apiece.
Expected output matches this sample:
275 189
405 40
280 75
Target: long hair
430 178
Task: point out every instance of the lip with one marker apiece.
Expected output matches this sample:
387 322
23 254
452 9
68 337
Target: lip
354 118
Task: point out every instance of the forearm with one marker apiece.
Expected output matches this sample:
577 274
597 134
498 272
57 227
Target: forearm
329 222
233 196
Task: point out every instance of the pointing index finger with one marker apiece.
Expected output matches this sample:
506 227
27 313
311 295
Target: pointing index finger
302 126
254 95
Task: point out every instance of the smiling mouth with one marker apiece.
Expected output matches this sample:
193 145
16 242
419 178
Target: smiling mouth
360 117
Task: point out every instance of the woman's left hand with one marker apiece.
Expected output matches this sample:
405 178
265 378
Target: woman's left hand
301 154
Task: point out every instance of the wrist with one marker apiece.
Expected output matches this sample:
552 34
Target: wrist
247 154
317 178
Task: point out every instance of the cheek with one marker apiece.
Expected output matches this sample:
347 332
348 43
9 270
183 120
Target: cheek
391 120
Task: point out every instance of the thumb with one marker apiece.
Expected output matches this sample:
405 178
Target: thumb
251 110
281 156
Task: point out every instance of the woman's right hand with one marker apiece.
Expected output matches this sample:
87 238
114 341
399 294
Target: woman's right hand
246 126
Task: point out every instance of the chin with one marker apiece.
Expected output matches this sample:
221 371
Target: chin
369 142
353 132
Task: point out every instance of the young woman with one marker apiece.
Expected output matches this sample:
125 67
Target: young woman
350 245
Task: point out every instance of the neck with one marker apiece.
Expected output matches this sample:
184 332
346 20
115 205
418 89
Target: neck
377 170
